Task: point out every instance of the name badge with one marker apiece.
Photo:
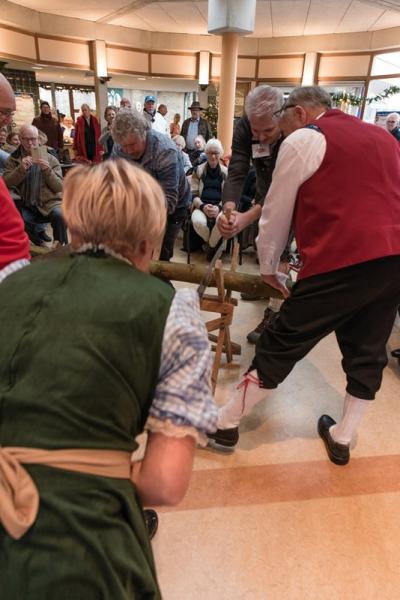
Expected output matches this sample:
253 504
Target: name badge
260 150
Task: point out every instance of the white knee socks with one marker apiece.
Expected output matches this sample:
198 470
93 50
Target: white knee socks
354 410
247 394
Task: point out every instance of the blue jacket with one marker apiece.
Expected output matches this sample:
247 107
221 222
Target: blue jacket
164 162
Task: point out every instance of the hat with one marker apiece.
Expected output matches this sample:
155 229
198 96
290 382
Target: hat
196 105
150 99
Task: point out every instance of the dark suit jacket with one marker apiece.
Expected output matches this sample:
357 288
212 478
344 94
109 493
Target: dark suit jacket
204 129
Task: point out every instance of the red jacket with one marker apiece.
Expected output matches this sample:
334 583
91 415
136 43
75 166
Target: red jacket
14 242
79 140
348 212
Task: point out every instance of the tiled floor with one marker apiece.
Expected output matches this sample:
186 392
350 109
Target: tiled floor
275 520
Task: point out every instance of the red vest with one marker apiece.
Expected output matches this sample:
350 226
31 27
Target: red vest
348 212
14 242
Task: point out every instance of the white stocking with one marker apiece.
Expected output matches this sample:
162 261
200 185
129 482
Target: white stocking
353 411
247 394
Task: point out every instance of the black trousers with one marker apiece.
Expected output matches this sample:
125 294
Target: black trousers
174 223
358 303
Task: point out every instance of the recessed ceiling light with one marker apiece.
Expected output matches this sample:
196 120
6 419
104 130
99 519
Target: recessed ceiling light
37 68
142 78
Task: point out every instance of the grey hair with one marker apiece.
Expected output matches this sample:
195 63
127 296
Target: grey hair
310 95
263 101
201 138
127 121
394 115
28 127
179 139
214 145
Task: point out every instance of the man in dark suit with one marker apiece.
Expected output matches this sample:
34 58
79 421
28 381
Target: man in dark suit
195 126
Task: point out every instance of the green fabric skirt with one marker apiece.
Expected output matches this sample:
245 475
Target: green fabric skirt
89 542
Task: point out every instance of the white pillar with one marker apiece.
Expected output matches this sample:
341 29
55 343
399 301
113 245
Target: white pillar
229 18
227 88
310 69
100 77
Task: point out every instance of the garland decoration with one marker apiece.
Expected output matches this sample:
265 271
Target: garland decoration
354 100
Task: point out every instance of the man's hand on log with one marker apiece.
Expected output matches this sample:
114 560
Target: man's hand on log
277 281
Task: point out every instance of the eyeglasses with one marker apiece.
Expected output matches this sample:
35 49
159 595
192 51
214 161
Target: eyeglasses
278 113
391 121
31 139
7 112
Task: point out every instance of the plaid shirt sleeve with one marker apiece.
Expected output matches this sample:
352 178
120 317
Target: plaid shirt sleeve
183 393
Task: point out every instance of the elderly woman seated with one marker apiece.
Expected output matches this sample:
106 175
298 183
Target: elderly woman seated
207 184
104 351
181 144
197 155
35 176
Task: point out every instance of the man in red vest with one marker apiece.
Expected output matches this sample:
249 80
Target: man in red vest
337 180
14 242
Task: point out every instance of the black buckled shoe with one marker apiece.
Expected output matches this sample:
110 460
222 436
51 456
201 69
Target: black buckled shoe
151 519
338 453
224 439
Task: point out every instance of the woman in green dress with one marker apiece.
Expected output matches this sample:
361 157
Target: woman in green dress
94 350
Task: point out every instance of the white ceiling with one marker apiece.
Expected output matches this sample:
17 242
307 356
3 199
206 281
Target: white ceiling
274 18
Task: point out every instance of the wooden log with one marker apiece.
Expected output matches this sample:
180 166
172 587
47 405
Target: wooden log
238 282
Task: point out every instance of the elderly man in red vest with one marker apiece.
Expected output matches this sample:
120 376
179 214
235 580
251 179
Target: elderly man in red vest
14 242
337 180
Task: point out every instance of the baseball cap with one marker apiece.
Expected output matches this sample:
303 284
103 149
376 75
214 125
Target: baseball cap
150 99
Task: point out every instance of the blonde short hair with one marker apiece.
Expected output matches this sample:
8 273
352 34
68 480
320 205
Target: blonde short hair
114 203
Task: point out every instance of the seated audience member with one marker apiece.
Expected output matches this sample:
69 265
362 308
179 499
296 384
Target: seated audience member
180 144
12 142
207 183
392 125
49 125
106 139
102 363
174 127
86 139
14 242
198 156
3 137
39 184
158 155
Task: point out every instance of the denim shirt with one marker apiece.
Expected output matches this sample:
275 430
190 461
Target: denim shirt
3 157
164 162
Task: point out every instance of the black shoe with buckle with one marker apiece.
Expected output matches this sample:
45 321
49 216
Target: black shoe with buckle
338 453
269 317
224 439
151 519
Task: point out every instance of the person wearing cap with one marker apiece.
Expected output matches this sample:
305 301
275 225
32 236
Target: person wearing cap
156 120
50 126
194 126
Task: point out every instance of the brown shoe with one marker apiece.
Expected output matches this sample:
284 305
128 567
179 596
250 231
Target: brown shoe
269 317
